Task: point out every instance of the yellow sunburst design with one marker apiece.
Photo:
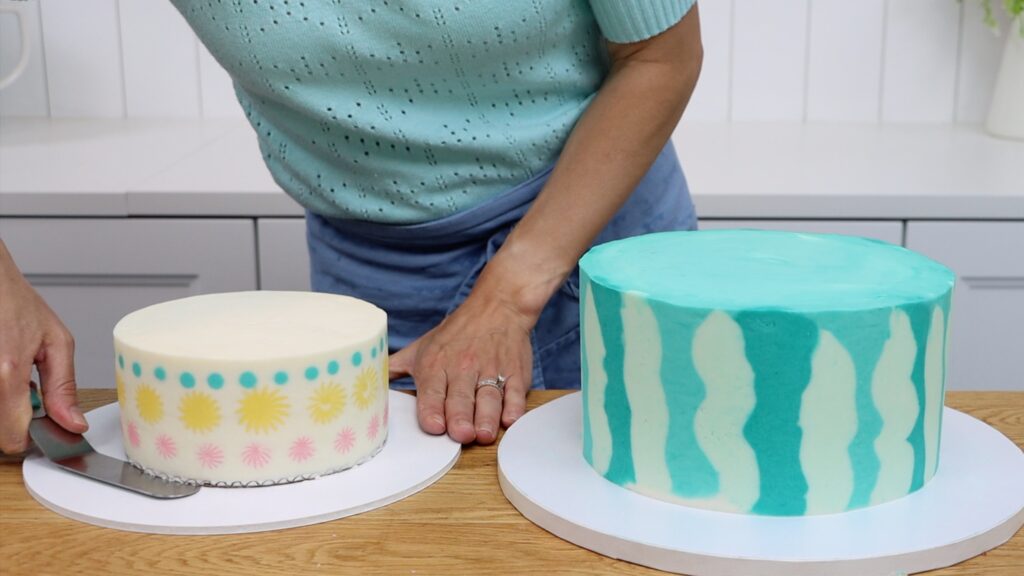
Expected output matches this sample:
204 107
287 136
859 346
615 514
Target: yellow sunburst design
149 404
200 413
365 390
122 395
262 410
327 402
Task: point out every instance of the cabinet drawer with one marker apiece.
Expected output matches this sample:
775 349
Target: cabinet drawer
92 272
987 321
284 257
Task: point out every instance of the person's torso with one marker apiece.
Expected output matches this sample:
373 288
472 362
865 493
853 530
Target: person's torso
405 110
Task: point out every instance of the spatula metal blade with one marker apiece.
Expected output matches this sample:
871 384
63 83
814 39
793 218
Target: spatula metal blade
73 452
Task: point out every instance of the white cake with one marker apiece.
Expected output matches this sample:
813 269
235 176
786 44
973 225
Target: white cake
252 388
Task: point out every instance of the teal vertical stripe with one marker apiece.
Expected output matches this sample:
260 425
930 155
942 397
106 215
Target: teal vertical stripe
863 335
588 439
920 322
945 302
779 347
693 475
608 304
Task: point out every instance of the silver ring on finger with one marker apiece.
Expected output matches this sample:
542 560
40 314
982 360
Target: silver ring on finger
496 383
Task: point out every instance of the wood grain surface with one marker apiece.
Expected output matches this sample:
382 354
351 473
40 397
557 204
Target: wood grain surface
460 525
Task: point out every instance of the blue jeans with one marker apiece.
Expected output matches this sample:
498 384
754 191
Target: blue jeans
420 273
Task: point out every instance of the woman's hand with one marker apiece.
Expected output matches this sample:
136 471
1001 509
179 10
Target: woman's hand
487 337
30 333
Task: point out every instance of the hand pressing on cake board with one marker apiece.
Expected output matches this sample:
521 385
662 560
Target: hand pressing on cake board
610 149
31 334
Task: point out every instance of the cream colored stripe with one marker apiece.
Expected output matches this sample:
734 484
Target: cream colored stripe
933 376
828 421
721 362
646 394
597 381
896 399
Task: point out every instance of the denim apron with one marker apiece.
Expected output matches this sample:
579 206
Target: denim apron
419 273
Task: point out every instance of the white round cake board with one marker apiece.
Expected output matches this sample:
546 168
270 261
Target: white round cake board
410 461
974 503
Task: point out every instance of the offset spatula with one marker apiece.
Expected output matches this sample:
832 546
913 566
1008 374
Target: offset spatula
73 452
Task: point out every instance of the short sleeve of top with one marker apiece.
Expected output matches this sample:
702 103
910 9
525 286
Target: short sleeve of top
624 21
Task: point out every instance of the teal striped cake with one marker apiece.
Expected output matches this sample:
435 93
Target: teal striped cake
765 373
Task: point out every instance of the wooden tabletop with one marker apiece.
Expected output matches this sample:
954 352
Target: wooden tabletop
460 525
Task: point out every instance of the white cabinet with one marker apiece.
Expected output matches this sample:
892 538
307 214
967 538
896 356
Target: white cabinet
987 321
284 258
94 271
887 230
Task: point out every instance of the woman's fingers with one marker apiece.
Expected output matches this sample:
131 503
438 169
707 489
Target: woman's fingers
15 405
478 343
488 397
460 404
57 382
400 364
488 414
431 390
516 388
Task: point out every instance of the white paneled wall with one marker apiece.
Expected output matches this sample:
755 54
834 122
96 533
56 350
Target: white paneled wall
161 62
769 59
111 58
919 77
844 60
894 61
711 101
217 94
82 50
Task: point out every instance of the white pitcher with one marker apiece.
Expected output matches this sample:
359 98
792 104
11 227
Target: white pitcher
19 8
1006 113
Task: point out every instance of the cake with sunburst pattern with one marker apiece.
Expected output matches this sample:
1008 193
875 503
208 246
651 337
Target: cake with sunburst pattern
252 388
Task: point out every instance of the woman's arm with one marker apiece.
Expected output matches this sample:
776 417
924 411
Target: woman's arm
607 154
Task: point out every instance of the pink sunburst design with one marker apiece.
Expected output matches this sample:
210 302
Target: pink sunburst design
133 435
166 447
373 428
256 455
302 449
345 440
210 456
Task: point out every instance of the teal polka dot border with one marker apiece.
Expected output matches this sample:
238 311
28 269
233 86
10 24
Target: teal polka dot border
248 379
215 380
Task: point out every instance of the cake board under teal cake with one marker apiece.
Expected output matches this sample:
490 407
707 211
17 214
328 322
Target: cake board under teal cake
974 503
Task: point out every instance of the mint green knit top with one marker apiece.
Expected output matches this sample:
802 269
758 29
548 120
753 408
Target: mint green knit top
404 111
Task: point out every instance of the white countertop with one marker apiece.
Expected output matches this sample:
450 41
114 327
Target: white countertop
771 170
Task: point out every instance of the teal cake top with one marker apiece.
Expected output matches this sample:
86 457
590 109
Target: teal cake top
752 269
